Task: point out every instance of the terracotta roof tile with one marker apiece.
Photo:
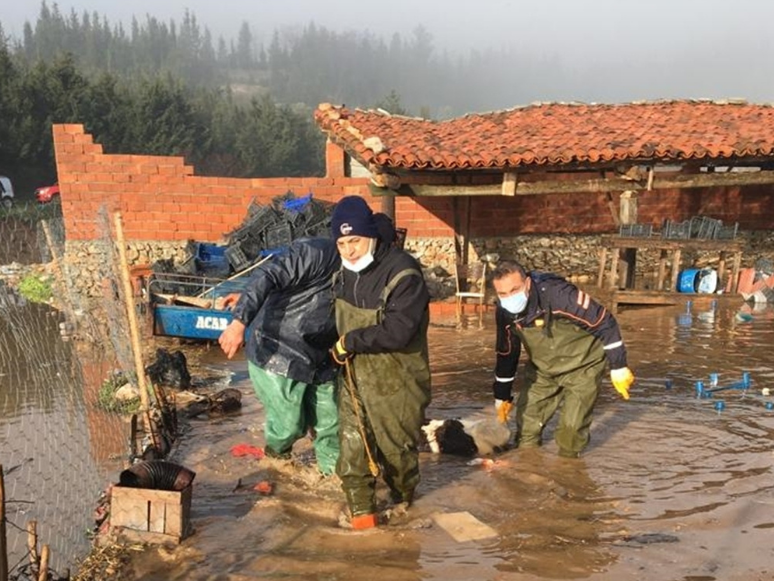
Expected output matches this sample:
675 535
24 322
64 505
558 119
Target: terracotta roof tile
556 133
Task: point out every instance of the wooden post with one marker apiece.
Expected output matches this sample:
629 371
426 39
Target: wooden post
613 284
676 257
661 270
32 546
134 332
457 230
131 313
735 270
3 540
628 209
388 207
43 574
466 233
602 265
722 269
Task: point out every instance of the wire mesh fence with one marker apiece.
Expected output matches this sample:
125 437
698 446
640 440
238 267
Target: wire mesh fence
63 353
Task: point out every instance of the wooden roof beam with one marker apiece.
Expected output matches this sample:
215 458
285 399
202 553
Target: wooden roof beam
601 185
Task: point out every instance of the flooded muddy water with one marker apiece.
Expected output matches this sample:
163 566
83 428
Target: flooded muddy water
57 448
669 489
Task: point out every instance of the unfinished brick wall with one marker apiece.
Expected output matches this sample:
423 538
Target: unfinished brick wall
160 198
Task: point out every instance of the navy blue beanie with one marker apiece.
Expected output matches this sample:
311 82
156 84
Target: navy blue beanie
353 217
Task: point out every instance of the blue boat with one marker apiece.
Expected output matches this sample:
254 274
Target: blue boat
190 306
190 322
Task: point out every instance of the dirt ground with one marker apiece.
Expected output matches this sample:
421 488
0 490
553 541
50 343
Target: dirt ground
669 489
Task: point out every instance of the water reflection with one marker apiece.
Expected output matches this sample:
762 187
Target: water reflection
669 487
663 462
57 446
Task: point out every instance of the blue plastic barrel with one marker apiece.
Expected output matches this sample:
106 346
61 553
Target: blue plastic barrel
688 280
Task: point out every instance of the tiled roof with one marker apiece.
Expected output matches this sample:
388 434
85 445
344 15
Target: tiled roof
555 134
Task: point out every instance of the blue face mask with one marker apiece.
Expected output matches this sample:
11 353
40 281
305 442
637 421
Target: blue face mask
515 303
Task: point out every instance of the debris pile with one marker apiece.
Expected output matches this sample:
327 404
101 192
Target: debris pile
272 227
266 229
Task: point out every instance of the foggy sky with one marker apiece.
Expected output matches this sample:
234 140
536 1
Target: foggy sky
592 50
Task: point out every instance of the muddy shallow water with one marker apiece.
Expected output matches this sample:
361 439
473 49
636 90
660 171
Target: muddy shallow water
669 489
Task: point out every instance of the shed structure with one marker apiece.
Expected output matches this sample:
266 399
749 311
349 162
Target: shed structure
599 165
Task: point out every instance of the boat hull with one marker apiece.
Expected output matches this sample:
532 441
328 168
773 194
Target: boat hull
190 322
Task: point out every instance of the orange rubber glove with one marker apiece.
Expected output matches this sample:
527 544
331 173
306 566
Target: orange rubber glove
622 380
503 409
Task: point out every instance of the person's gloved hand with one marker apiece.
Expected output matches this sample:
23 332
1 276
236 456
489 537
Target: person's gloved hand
339 352
622 380
503 408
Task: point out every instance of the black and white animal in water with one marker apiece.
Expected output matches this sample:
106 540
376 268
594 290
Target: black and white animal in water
466 437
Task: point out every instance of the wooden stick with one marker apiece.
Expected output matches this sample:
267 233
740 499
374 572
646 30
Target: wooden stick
197 301
32 546
3 545
43 574
133 447
237 275
134 332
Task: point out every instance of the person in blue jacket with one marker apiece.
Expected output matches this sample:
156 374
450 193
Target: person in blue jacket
569 338
287 309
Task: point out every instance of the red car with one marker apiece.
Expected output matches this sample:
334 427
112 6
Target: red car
46 194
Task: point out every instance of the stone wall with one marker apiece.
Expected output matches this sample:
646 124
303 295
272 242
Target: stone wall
91 265
572 256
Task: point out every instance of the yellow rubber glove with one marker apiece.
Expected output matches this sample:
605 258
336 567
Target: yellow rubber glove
503 409
622 380
339 352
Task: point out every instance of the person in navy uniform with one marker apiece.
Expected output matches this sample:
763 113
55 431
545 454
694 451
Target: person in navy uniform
569 338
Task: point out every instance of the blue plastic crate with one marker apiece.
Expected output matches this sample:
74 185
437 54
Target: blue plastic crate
297 204
210 256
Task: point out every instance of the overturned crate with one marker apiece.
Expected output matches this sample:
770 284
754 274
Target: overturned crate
151 516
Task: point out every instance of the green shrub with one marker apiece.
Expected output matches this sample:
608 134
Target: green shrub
36 288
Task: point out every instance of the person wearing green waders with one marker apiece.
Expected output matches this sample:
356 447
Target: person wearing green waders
384 380
287 307
569 338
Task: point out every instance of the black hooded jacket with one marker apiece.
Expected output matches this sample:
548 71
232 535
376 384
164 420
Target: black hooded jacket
406 305
288 306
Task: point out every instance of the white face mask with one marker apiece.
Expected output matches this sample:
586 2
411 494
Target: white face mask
360 263
515 303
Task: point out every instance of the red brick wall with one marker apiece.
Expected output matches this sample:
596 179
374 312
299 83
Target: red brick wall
160 198
498 216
